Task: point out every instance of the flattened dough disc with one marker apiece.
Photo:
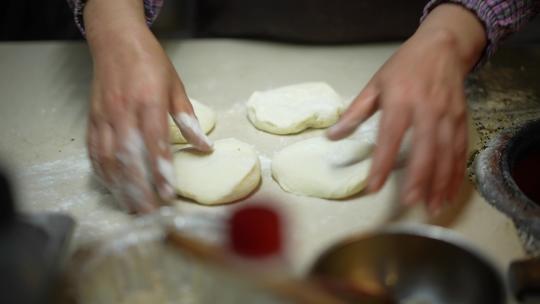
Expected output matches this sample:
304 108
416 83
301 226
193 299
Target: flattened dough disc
231 172
308 168
292 109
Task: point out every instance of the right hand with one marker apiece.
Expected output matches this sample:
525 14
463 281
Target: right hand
135 86
419 87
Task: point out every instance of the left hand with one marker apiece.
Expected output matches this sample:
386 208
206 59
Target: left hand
420 86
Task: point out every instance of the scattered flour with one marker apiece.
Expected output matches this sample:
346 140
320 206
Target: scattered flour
238 107
266 165
68 186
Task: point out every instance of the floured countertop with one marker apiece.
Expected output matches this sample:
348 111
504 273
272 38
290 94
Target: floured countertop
44 89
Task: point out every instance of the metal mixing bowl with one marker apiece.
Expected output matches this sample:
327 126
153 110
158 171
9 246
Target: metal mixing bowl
415 264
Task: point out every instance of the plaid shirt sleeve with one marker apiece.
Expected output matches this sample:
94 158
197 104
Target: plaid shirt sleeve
500 17
151 10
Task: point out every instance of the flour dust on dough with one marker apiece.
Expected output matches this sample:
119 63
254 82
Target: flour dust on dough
292 109
205 115
307 168
231 172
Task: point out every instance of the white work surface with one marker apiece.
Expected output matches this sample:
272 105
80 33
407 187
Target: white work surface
44 101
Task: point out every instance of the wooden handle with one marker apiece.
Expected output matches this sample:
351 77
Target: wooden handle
524 277
299 291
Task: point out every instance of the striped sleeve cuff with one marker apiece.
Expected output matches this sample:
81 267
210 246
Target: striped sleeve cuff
151 11
499 17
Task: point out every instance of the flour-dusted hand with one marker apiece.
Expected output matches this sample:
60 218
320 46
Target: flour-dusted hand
422 86
135 87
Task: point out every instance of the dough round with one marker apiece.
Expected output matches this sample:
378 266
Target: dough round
205 115
292 109
229 173
308 168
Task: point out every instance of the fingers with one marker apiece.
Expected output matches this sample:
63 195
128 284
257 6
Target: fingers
101 151
107 160
117 153
451 152
437 162
134 159
361 109
422 159
92 142
93 138
444 165
394 122
460 159
184 117
155 133
133 185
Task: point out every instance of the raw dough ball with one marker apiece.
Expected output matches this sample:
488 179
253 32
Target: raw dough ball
229 173
294 108
205 115
308 168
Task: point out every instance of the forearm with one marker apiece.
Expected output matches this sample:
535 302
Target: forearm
113 23
151 11
460 29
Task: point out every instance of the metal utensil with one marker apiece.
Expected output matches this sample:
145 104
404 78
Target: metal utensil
414 265
524 279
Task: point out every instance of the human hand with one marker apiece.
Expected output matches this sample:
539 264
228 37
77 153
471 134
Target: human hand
135 86
421 86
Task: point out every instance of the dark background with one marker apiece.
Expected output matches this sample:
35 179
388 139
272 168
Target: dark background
324 21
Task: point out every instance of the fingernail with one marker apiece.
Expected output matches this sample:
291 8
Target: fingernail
196 136
334 131
374 184
205 144
166 192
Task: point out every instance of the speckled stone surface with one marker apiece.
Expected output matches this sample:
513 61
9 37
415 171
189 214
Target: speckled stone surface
503 96
505 93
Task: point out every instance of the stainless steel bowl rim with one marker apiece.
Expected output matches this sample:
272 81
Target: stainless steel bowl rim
423 230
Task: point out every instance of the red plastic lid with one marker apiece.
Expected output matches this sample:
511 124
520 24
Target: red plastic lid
255 231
